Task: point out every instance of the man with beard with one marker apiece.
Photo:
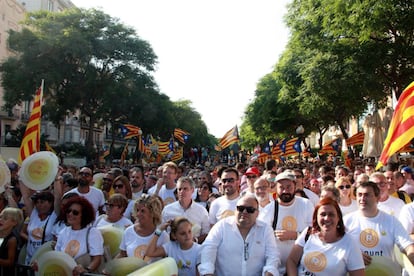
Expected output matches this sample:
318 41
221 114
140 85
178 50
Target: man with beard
94 195
225 205
240 244
293 215
137 182
107 184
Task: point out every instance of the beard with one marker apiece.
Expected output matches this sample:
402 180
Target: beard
285 197
83 182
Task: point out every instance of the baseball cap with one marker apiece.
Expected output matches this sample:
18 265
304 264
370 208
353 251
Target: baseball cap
407 170
252 170
285 175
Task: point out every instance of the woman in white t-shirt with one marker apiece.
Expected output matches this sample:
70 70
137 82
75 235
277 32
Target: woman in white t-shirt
147 213
325 248
115 208
346 203
79 237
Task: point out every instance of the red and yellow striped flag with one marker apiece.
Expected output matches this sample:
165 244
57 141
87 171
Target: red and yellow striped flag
401 129
31 139
231 137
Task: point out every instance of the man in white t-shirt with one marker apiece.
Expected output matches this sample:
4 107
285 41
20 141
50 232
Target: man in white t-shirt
186 207
389 204
94 195
225 205
165 187
294 215
374 230
314 198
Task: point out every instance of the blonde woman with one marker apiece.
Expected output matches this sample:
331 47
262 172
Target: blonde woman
346 203
147 212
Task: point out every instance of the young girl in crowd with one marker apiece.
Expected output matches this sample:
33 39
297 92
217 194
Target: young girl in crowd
10 220
182 247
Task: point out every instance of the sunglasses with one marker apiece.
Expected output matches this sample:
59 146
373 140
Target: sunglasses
344 187
110 205
249 209
107 179
204 188
119 186
229 180
84 174
252 176
74 212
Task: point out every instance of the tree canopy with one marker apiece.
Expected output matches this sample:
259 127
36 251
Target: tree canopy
94 64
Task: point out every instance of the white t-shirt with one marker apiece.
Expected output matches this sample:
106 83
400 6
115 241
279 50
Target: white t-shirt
136 245
391 206
329 259
73 242
167 195
187 260
314 198
267 213
129 208
122 223
196 214
94 196
377 235
407 217
350 208
295 217
221 208
35 230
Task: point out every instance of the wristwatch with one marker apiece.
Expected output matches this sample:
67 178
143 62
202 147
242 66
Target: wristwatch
157 232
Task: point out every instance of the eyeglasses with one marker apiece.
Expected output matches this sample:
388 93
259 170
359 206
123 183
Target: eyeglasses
74 212
229 180
249 209
298 176
110 205
204 188
84 174
107 179
344 187
118 186
261 187
252 176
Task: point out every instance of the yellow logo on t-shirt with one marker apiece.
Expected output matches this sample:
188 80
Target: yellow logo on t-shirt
369 238
72 248
315 261
289 223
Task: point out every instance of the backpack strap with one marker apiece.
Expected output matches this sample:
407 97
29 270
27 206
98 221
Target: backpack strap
275 217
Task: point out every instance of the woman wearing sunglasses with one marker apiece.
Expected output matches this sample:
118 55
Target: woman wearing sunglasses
325 248
79 237
115 208
122 186
346 203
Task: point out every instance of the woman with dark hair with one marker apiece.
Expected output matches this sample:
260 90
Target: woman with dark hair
325 248
121 185
79 238
203 192
147 213
37 230
59 223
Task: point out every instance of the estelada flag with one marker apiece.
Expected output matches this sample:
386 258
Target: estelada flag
231 137
181 135
128 131
356 139
31 139
401 129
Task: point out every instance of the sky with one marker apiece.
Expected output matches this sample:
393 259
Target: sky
211 52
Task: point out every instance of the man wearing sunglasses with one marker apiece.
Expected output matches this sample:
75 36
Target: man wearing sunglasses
240 244
85 189
225 205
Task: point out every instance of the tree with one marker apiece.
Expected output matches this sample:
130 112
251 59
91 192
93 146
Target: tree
90 62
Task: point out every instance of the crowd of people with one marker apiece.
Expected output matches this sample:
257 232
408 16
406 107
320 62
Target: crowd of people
247 219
